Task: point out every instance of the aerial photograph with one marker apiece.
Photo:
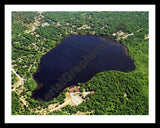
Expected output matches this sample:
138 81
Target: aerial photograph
80 63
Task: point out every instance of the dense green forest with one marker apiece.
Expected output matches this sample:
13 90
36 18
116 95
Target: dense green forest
116 93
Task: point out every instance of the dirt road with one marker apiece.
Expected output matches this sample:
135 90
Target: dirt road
20 80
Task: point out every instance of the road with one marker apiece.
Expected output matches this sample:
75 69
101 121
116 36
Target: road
36 22
74 99
20 78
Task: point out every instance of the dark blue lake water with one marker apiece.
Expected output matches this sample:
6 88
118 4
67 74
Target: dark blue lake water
76 60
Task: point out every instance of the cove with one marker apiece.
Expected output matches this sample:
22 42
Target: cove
76 59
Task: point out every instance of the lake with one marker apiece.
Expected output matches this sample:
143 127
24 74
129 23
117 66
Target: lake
76 59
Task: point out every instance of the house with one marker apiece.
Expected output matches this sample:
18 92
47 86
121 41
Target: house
91 92
74 89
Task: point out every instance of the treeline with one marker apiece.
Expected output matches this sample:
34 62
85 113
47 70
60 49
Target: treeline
24 17
20 21
18 28
14 78
104 23
51 32
15 104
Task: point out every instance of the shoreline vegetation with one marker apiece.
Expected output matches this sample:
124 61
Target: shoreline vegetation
109 87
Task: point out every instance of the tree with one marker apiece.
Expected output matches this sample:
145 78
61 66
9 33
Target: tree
15 104
30 84
69 109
